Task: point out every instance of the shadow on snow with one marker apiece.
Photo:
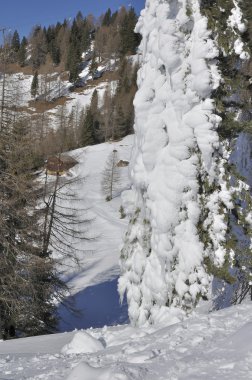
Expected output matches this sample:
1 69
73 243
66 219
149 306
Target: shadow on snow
96 306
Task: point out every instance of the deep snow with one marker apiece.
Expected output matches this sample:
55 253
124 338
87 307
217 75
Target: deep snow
205 346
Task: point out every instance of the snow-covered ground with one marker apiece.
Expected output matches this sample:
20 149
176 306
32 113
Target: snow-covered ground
205 347
94 283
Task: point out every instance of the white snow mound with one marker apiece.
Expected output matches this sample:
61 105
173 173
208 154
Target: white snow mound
83 371
82 343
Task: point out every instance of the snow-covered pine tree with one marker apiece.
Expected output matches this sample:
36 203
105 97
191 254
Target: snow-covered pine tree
233 104
180 200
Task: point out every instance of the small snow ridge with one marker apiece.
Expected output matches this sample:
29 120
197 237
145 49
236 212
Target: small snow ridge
83 371
82 343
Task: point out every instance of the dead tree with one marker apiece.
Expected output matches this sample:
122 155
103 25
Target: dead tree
111 176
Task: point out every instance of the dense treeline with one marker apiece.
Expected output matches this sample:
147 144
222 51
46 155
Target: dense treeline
66 47
63 44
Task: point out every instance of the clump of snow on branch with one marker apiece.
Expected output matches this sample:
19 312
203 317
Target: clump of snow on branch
176 143
238 25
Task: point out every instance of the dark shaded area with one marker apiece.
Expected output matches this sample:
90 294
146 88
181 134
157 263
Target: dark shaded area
98 306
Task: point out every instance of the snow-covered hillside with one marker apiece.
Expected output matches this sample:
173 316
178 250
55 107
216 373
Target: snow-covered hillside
94 283
205 346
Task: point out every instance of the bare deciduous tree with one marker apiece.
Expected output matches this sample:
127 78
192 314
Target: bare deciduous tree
111 176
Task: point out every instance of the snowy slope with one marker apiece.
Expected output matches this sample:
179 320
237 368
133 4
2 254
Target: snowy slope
205 346
94 283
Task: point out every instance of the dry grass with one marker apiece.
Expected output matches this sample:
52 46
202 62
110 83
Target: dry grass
47 68
41 106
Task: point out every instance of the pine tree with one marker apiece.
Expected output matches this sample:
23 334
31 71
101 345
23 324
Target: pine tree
86 35
107 119
93 66
107 18
129 39
94 108
87 133
74 53
22 52
15 42
35 85
181 196
233 106
52 43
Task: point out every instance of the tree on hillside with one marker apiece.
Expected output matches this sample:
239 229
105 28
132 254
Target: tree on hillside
233 105
111 176
89 132
22 52
74 53
62 41
15 42
86 128
38 47
35 85
107 18
64 135
28 281
123 99
107 111
10 96
129 39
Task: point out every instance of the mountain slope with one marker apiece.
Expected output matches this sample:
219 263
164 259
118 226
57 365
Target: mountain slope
93 285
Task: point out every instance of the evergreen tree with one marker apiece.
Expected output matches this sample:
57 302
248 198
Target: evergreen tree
22 52
108 124
86 34
54 52
15 42
52 44
233 105
121 122
74 53
122 117
107 18
181 197
93 66
73 65
35 85
87 133
129 39
96 117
